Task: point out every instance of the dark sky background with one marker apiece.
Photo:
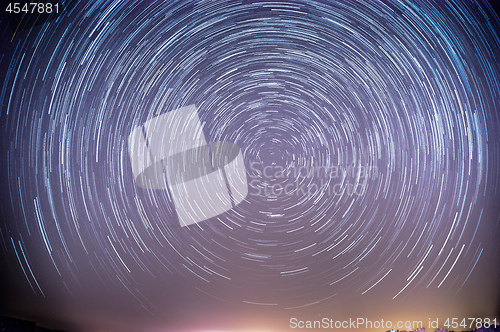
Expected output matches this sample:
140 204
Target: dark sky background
370 136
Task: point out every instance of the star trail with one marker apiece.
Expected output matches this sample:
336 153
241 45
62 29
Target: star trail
369 132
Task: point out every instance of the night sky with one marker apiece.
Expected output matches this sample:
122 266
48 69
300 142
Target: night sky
370 135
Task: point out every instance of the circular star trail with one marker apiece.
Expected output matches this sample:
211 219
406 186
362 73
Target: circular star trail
369 132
